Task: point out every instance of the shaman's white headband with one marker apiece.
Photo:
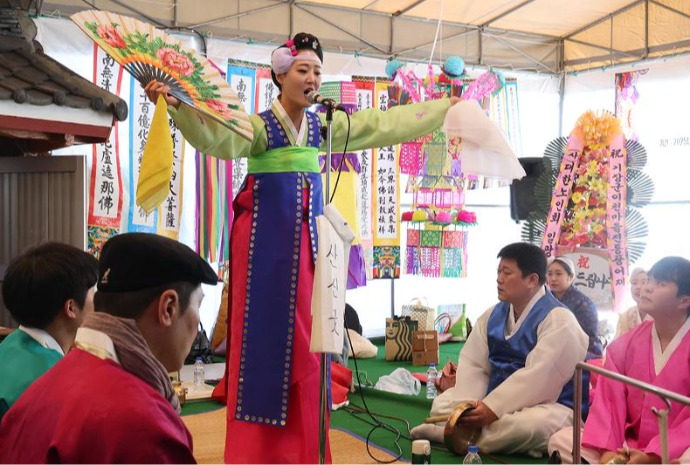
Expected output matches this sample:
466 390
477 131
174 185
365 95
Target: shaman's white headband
282 59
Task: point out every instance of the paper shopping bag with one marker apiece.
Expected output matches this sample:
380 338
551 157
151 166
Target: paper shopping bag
424 314
399 338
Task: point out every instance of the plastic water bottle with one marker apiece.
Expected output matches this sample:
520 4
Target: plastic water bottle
431 374
199 373
472 455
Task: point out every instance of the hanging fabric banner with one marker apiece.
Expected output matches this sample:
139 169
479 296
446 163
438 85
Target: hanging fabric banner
561 194
330 276
226 215
513 116
171 209
364 92
200 223
214 208
243 81
616 220
266 90
140 114
386 209
105 190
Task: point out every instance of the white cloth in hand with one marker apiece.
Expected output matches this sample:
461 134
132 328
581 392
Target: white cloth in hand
485 151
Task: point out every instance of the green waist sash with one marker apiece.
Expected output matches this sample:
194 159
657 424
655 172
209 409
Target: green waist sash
285 160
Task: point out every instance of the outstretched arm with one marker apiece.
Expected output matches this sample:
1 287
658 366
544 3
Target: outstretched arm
204 133
375 128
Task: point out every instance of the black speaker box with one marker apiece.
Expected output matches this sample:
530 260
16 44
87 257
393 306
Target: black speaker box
522 190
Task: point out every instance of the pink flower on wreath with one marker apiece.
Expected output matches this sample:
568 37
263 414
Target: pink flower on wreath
111 36
291 45
175 61
220 108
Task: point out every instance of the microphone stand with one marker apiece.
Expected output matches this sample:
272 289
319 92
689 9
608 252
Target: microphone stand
324 357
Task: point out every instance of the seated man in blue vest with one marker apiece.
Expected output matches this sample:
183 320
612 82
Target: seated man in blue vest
48 290
518 363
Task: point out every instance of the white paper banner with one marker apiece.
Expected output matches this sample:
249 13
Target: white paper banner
330 282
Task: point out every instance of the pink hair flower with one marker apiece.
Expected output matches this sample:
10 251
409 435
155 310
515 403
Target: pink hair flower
291 45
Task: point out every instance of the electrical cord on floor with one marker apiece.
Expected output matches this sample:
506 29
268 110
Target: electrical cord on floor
375 422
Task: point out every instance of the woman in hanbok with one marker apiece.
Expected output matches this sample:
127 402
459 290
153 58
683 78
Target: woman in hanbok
273 381
560 277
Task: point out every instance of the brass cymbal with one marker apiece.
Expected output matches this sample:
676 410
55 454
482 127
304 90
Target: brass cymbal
458 437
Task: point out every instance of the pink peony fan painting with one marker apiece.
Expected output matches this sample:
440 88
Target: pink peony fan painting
149 53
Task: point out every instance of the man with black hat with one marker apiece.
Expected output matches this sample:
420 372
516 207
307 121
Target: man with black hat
110 399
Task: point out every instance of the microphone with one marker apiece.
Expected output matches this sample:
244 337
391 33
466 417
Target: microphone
314 97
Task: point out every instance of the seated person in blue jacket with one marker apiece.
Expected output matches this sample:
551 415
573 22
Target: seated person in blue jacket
48 290
517 365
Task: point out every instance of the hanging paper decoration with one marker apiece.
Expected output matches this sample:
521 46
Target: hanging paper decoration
105 190
586 199
435 245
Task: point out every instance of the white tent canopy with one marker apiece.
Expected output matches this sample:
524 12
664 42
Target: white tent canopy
547 36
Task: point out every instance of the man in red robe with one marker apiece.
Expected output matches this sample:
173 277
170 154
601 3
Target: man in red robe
110 400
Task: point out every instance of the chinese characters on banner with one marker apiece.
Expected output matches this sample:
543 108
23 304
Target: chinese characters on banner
266 90
105 191
170 210
510 90
365 99
561 195
244 81
386 210
140 115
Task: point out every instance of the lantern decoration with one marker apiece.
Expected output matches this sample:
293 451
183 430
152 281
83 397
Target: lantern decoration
437 223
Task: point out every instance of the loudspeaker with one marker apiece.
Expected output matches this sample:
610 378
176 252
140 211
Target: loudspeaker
522 190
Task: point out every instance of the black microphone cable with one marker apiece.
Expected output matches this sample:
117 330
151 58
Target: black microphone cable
342 160
376 424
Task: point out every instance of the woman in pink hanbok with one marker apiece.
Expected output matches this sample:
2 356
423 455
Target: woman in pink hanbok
621 420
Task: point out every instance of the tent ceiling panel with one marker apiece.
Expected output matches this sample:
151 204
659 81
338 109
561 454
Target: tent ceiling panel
628 30
670 27
558 18
189 14
344 31
520 34
624 33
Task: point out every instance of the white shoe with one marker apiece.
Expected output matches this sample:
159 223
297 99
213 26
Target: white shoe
430 431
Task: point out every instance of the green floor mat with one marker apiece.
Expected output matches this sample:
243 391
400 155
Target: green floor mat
410 409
